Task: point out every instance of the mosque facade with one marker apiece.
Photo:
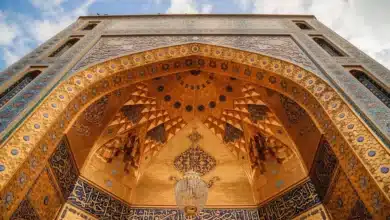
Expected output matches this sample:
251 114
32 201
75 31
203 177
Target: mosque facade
285 120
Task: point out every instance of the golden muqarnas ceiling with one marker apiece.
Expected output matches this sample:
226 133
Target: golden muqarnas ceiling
134 156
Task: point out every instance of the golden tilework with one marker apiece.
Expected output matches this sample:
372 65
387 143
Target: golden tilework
359 152
44 197
24 211
43 200
344 203
342 198
359 211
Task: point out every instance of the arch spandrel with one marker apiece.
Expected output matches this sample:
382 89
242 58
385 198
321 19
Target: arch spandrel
350 139
280 47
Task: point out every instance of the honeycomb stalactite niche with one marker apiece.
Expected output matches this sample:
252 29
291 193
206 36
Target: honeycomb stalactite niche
209 157
156 120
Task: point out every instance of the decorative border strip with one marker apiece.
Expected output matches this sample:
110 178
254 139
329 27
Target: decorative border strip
67 208
291 203
323 169
64 167
102 205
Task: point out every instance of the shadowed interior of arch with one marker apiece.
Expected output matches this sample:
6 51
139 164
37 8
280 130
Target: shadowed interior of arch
263 141
263 114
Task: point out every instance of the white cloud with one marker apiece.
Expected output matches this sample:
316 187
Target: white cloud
20 34
244 4
47 27
188 7
383 56
206 8
12 41
182 7
363 23
8 31
278 6
19 48
359 23
10 57
48 6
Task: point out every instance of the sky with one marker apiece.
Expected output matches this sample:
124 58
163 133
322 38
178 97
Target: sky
25 24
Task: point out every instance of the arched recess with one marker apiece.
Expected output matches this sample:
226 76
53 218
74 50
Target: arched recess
233 111
360 153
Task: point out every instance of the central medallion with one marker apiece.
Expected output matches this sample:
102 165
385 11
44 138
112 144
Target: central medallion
195 158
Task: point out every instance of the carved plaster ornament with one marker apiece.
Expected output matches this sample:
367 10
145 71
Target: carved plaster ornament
254 156
258 153
262 149
129 146
132 153
110 149
281 152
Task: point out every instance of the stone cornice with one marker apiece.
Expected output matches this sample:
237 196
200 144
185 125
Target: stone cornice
297 16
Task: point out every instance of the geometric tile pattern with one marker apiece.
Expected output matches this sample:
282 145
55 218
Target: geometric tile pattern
15 88
344 203
42 200
257 112
373 86
44 196
294 112
291 203
64 167
157 134
342 198
359 211
324 167
232 133
132 112
94 113
25 211
102 205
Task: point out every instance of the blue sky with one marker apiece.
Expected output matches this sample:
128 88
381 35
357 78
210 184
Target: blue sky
24 24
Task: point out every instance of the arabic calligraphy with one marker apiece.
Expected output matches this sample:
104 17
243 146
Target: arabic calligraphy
324 168
292 203
103 206
64 167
